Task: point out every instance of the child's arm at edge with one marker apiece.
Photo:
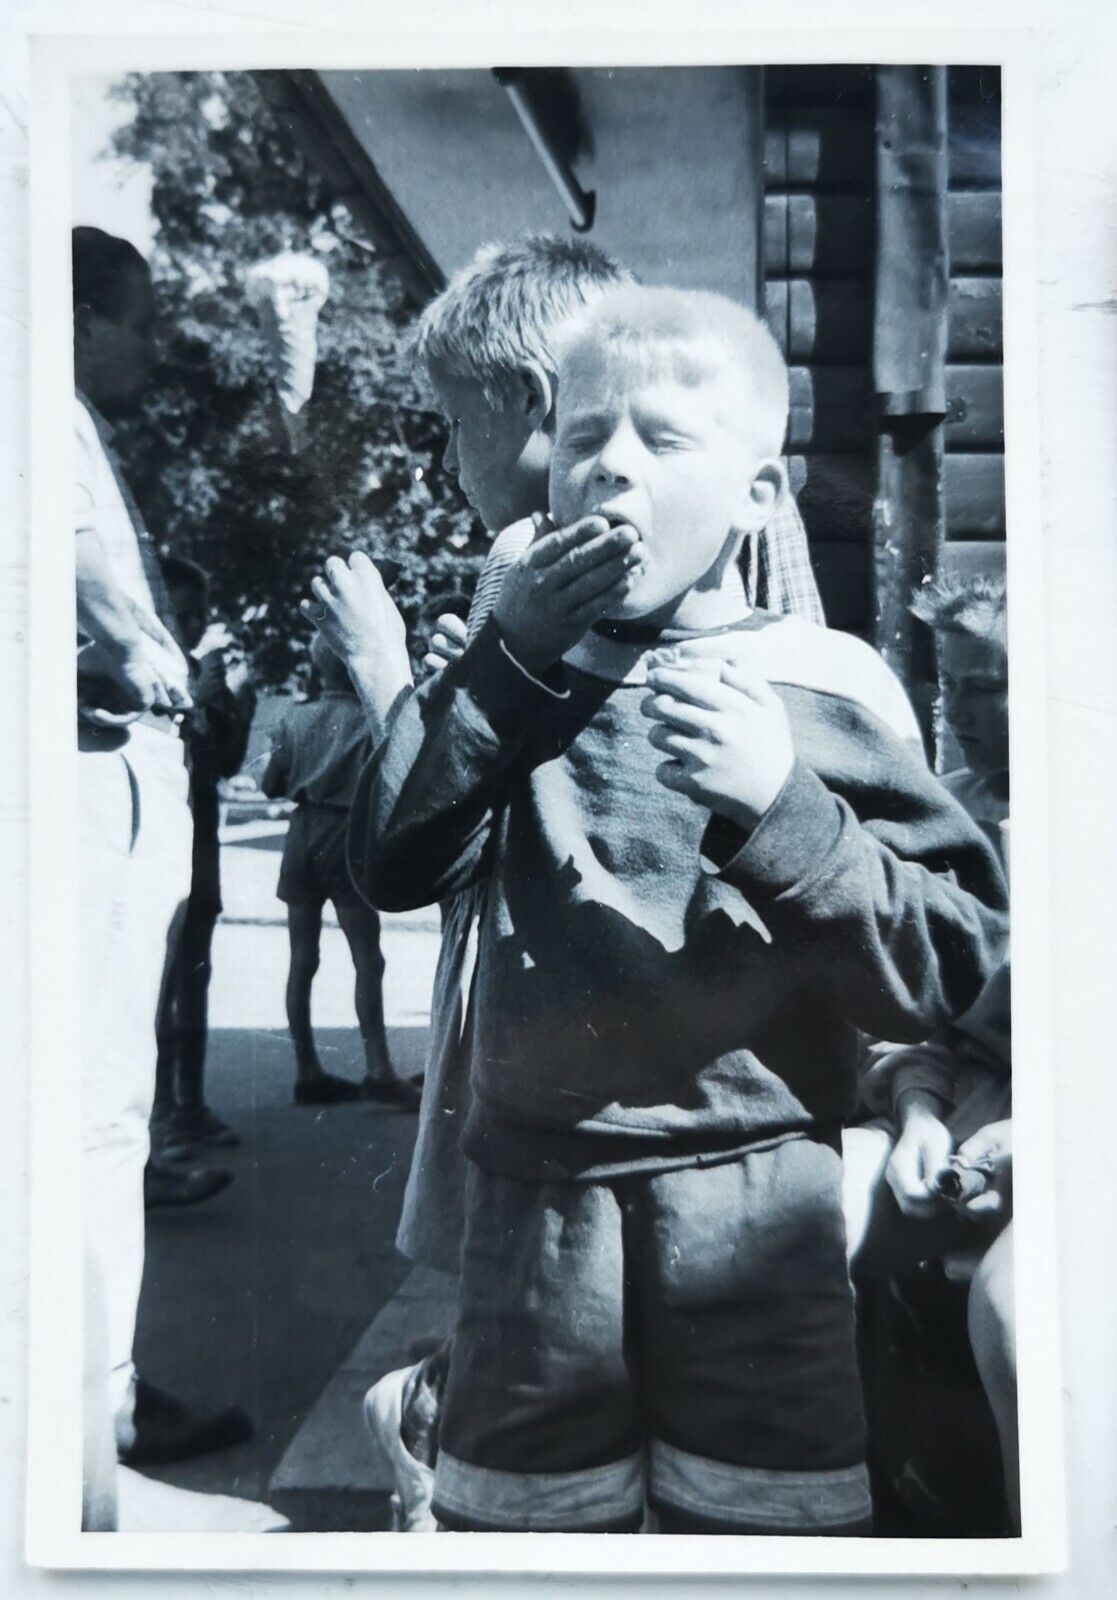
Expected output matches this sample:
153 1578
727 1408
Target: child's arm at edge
902 898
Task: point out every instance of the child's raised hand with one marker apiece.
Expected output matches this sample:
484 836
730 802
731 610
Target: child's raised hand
447 643
356 615
724 732
564 583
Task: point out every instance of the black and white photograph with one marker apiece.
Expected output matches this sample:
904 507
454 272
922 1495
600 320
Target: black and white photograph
543 580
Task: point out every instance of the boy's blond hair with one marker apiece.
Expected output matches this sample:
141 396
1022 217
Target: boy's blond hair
504 308
698 334
974 605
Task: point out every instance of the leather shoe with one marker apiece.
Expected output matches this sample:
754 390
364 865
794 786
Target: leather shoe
168 1186
162 1429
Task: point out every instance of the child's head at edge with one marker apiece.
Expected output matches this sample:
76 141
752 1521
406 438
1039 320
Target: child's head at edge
968 616
486 345
188 587
671 411
331 670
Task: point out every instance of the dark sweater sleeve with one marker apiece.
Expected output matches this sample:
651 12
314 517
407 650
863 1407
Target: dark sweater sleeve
426 803
895 894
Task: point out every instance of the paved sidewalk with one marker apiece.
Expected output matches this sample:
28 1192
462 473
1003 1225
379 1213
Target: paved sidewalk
259 1295
250 950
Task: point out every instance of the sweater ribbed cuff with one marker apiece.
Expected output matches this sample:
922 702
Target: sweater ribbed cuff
503 691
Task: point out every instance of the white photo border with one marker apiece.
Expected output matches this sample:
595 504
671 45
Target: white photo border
54 1538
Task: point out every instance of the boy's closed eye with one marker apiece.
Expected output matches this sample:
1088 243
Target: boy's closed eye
585 437
662 443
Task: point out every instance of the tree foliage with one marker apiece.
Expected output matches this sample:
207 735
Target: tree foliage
208 458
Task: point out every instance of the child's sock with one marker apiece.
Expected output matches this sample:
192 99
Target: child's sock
421 1418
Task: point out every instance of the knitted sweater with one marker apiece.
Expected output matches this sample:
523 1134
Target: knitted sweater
653 986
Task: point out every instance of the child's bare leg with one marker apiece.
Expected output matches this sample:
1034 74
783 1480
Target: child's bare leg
361 927
313 1086
304 928
865 1153
993 1338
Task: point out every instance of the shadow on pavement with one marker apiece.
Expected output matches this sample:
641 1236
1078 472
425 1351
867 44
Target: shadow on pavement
258 1295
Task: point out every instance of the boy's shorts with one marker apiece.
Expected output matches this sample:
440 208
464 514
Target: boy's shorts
315 867
684 1339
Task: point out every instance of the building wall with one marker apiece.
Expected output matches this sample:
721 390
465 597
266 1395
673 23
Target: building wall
818 261
973 467
819 231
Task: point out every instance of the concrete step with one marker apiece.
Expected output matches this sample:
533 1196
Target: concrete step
331 1478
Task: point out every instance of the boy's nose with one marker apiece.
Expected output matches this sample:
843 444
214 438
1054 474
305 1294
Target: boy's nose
959 713
611 472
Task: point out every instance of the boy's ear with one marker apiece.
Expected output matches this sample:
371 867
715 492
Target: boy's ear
763 494
537 393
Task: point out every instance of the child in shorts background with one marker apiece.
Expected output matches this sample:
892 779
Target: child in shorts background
320 748
681 933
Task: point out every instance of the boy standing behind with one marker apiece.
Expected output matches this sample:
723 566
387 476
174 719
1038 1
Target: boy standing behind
486 345
681 934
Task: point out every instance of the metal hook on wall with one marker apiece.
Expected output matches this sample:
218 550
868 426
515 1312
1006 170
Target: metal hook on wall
580 203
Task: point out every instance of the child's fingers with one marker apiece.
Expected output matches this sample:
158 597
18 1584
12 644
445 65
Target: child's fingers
446 649
989 1203
750 682
616 545
321 591
691 686
598 605
677 714
677 776
453 627
678 745
552 546
673 775
363 570
336 572
906 1180
602 575
982 1149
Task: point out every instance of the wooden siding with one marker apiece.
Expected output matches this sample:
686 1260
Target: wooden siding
819 221
818 264
974 430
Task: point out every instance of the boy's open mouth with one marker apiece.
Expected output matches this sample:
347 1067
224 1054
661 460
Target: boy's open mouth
616 519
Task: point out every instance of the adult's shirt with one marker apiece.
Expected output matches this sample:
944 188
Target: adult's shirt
104 504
